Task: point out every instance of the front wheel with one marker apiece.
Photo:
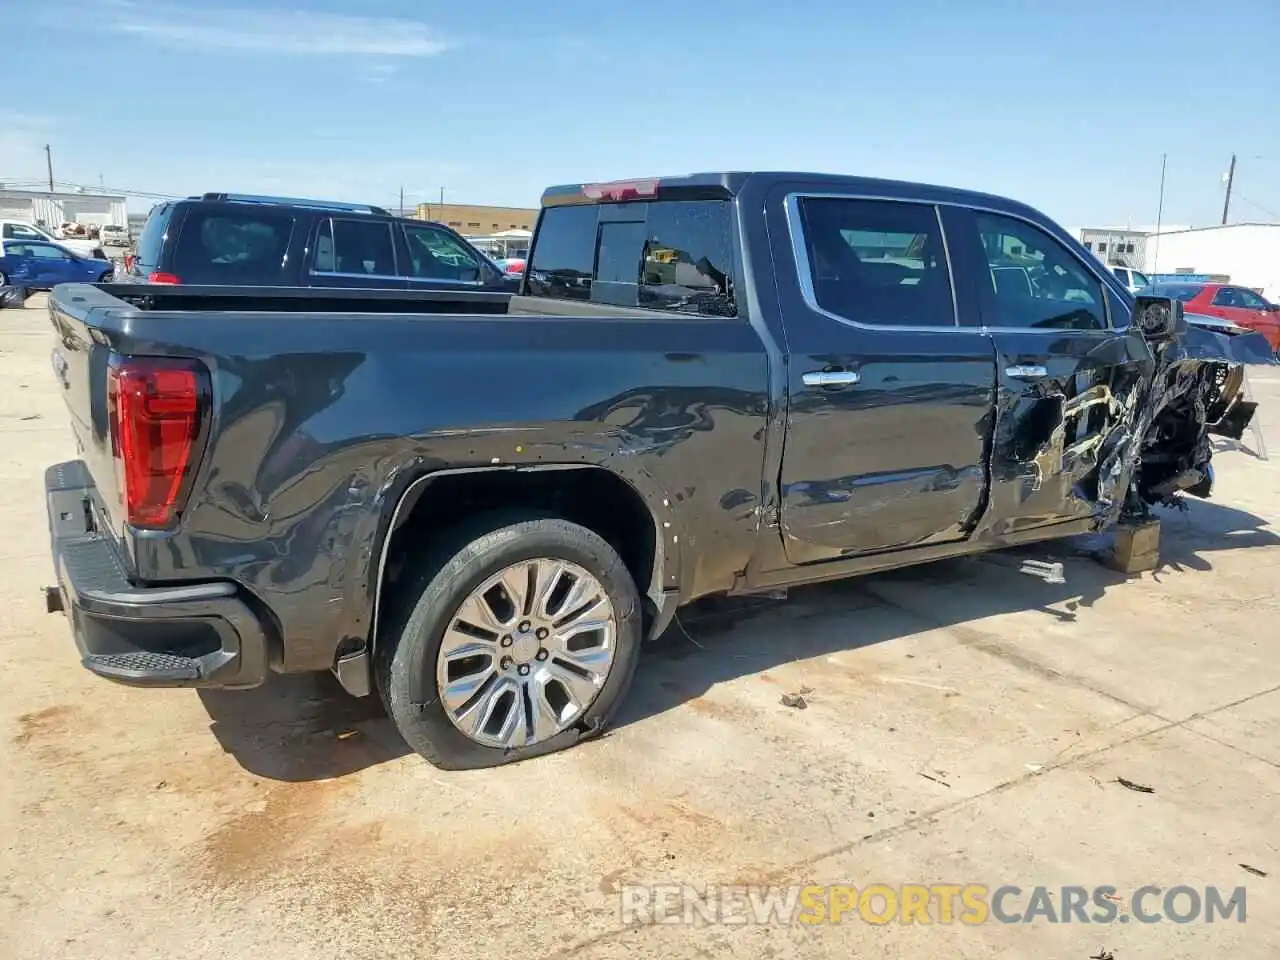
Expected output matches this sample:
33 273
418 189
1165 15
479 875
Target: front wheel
514 638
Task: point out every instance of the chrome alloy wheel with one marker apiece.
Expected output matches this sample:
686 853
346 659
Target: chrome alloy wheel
526 653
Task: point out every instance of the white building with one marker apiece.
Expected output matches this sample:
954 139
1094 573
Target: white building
1121 246
53 209
1247 253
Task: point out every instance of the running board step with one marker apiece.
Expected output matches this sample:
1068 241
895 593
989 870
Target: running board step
142 668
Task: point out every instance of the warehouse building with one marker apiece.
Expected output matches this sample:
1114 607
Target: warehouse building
473 221
54 208
1124 246
1246 253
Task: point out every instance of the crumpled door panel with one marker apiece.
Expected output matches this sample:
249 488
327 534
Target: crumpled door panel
1126 432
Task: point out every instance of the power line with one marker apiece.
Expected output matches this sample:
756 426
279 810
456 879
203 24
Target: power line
1256 205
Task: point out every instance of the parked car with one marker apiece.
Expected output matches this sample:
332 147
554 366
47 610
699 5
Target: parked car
239 240
1133 279
21 230
114 235
1238 304
725 383
38 265
512 266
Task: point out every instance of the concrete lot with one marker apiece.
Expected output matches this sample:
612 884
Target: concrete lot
964 724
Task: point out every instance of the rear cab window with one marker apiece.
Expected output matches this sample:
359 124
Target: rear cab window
670 255
218 245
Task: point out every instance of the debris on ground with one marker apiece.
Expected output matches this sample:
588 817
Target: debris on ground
936 780
1254 870
1135 787
795 701
1103 955
346 734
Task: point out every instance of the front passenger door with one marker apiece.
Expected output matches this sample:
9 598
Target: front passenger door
1066 377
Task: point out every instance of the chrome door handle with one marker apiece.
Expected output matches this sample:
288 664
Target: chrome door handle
1026 371
831 378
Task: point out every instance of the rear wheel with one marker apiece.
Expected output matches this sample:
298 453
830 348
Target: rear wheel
514 638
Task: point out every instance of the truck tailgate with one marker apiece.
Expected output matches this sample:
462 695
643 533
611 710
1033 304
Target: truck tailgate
80 363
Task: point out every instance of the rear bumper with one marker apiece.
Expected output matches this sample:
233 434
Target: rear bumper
194 635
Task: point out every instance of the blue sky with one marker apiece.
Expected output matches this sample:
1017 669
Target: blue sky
1067 106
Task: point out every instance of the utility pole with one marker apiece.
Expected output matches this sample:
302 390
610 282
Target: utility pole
1155 254
402 199
442 198
1231 176
48 159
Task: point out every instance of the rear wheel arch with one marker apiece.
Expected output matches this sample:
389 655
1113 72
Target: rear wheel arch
643 531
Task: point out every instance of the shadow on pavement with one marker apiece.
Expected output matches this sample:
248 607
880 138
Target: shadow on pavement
720 639
302 727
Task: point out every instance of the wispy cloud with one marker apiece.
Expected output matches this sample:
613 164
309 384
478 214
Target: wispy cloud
276 31
380 72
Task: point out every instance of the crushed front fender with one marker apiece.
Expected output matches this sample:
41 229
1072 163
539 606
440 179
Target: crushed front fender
1198 391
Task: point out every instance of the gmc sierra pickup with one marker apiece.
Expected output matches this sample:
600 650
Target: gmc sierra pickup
478 505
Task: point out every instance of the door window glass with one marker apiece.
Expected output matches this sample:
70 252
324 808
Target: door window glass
1034 280
46 251
435 254
878 262
18 231
1237 297
364 247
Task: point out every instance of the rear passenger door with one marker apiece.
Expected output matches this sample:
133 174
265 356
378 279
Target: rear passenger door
354 252
1066 367
889 395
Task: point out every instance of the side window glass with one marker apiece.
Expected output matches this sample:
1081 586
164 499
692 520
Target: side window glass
323 260
44 251
363 247
19 232
877 262
564 253
1251 300
436 255
1035 281
1226 297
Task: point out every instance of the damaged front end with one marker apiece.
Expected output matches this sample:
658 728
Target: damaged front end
1198 391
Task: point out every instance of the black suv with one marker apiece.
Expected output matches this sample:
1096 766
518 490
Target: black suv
240 240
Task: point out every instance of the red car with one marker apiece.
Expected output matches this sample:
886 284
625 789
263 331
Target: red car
1239 305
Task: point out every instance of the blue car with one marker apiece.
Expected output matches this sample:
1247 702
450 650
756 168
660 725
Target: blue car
39 265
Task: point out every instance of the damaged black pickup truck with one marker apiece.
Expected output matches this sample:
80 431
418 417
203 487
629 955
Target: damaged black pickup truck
478 505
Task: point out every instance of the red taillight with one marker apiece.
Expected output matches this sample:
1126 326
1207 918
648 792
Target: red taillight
160 277
623 190
155 406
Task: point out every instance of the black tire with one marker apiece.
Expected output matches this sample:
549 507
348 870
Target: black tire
434 585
